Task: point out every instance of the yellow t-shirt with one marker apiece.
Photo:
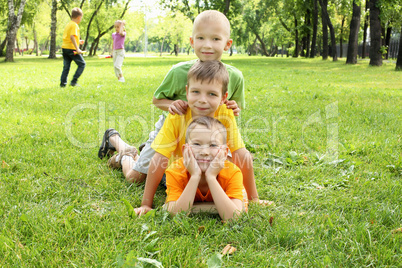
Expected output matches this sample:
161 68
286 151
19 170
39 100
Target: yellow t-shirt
71 29
229 178
171 137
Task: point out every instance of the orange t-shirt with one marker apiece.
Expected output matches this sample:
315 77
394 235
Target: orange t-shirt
177 177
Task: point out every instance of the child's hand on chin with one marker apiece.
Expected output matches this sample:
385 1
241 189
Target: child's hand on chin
217 164
189 162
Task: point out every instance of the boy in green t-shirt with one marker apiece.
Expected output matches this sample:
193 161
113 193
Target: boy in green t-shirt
211 36
71 50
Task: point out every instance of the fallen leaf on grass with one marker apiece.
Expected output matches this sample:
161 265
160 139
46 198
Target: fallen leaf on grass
4 164
201 229
271 220
398 230
228 249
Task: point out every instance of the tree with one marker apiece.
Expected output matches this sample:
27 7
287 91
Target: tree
315 23
106 28
375 34
325 16
53 28
365 27
354 34
14 21
399 60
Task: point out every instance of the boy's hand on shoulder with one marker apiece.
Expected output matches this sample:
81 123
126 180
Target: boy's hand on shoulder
178 107
142 210
216 165
231 104
190 163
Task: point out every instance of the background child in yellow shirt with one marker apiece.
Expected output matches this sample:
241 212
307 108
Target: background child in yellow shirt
71 49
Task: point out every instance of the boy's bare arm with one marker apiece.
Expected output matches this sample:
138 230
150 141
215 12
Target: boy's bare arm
156 169
227 208
77 48
172 106
243 159
186 199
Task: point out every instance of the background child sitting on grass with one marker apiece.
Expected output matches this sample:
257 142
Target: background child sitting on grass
203 174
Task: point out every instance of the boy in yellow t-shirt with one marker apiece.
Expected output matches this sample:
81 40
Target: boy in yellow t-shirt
203 180
71 49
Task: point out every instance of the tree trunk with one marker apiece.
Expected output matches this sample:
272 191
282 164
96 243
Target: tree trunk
315 23
53 28
341 38
375 34
264 49
14 22
35 41
365 31
324 33
163 41
227 5
399 60
324 6
308 37
297 48
89 25
354 35
2 45
387 39
18 46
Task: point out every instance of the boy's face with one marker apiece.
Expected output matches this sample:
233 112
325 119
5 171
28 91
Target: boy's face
79 19
209 40
205 97
205 144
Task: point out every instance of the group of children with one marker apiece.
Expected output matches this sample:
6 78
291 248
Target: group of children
210 168
72 52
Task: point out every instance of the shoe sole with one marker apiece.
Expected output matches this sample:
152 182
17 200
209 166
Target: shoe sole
105 148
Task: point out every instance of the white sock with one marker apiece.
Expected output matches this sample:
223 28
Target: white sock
118 158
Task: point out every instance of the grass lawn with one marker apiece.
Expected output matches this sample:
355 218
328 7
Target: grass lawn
327 144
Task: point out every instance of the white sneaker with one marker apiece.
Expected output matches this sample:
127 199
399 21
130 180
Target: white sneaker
121 79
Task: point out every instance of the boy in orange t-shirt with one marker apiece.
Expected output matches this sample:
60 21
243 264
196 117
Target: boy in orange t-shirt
203 180
71 50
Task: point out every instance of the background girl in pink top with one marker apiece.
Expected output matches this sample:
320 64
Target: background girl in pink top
118 48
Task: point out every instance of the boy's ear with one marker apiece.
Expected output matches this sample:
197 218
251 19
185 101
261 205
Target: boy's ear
228 44
224 97
191 41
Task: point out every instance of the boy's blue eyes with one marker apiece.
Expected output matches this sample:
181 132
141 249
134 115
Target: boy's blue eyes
196 92
199 145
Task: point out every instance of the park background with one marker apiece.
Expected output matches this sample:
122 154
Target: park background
325 136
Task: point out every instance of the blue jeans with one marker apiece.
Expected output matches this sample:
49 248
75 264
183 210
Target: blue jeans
68 56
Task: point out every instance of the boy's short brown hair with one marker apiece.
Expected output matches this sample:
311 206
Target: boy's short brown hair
215 16
76 12
209 123
211 70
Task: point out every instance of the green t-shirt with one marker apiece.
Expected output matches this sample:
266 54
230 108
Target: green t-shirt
173 86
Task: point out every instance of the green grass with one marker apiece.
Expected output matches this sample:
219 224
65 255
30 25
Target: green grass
326 139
